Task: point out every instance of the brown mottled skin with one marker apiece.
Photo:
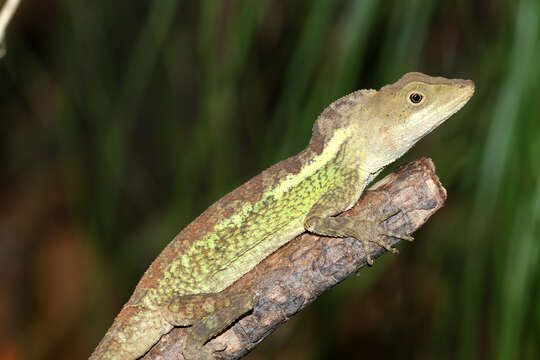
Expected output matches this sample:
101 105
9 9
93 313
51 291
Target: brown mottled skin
353 140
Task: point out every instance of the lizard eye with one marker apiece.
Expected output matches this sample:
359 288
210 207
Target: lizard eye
416 98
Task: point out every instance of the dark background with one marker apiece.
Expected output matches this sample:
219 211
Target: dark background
121 121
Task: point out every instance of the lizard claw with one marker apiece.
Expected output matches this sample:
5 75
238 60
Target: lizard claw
203 352
382 218
397 235
369 260
216 347
379 242
385 245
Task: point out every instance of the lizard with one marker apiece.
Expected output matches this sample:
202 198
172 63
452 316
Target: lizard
353 140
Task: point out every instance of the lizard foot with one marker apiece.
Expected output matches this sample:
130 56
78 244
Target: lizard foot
203 352
370 231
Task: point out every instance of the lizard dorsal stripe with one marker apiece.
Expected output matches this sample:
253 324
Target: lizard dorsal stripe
329 152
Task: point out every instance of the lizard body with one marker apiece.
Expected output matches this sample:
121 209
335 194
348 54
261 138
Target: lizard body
353 140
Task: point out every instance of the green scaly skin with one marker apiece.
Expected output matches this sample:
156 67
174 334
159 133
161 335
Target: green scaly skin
353 140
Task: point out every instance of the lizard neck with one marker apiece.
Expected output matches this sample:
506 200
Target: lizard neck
341 152
343 147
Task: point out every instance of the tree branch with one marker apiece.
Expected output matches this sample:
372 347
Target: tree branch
6 14
296 274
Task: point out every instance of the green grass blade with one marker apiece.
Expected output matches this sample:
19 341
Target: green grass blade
491 173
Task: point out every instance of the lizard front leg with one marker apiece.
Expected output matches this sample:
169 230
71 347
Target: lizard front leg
319 220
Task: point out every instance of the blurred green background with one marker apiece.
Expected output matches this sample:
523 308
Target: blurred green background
121 121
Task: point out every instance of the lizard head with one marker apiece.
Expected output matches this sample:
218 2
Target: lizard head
394 118
377 127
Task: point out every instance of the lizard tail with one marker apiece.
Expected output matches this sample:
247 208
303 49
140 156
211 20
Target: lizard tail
132 334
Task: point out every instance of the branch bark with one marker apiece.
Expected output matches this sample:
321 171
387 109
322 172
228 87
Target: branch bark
295 275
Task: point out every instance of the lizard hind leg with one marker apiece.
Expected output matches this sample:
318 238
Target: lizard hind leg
208 315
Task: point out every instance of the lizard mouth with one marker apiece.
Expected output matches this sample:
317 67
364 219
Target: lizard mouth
431 117
465 92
